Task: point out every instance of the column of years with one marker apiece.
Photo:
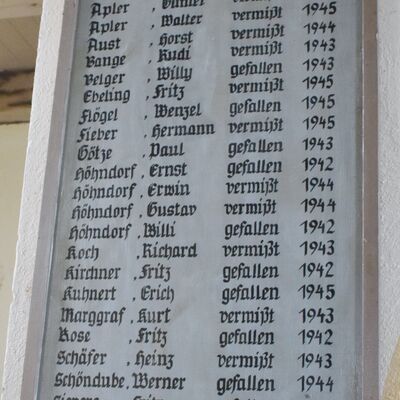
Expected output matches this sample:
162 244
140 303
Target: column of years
319 242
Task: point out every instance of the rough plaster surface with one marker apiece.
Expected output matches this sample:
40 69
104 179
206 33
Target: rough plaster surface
12 157
389 182
49 38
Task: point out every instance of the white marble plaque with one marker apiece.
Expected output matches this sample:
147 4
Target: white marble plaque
207 243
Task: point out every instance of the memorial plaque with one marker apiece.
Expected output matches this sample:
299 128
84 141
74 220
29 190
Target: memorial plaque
208 236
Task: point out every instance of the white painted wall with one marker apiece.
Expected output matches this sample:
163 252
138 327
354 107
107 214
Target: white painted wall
389 191
13 140
37 155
